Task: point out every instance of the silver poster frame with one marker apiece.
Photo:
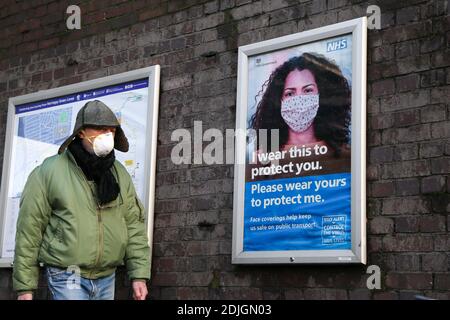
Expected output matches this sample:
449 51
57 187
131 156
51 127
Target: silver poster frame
357 253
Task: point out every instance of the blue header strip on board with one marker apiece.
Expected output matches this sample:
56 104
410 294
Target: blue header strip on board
84 95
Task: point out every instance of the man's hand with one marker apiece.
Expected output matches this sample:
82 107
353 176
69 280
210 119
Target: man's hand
139 290
25 296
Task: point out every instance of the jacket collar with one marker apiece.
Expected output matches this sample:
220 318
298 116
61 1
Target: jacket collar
116 202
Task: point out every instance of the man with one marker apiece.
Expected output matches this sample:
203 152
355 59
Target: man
80 216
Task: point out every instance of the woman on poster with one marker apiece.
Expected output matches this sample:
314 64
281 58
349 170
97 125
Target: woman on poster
309 100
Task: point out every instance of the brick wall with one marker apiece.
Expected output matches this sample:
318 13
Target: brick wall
195 42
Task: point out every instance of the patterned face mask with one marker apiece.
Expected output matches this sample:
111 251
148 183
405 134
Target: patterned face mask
299 111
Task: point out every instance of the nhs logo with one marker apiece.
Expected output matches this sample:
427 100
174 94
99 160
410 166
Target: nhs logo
336 45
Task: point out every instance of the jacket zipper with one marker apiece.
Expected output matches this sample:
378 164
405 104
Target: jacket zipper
100 235
99 220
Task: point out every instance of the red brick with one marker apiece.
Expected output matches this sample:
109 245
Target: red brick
406 169
48 43
372 173
433 184
387 295
440 59
374 244
406 118
405 205
407 83
432 224
442 242
70 80
439 166
407 262
381 225
417 281
119 10
153 12
94 17
435 113
408 243
406 48
36 78
440 129
27 47
165 279
440 94
58 73
192 293
383 87
406 152
380 155
381 121
442 281
373 139
241 293
40 11
407 224
374 71
382 53
407 187
435 262
408 14
360 294
374 207
314 294
47 76
294 294
432 78
431 149
382 189
108 60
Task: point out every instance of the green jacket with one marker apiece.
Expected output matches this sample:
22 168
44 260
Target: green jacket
61 224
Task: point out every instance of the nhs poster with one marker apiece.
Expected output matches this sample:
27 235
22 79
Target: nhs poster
298 176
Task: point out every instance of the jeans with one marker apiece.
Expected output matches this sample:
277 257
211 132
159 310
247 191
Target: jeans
66 285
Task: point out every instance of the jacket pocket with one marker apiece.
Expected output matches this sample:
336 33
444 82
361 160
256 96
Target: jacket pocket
51 235
141 210
124 235
123 240
115 233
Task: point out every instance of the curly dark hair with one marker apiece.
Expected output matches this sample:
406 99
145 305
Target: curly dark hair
333 116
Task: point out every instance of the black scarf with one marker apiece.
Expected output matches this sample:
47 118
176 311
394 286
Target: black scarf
97 169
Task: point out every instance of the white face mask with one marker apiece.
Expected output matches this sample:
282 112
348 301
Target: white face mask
299 111
103 144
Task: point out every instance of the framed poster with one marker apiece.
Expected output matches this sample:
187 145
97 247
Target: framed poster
40 122
300 170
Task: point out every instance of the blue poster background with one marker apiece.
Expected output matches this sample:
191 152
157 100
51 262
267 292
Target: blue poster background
280 223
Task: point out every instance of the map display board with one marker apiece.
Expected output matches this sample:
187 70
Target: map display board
39 123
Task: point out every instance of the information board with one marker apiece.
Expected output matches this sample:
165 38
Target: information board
39 123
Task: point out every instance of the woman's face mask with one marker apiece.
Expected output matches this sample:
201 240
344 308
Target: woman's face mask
299 111
102 144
